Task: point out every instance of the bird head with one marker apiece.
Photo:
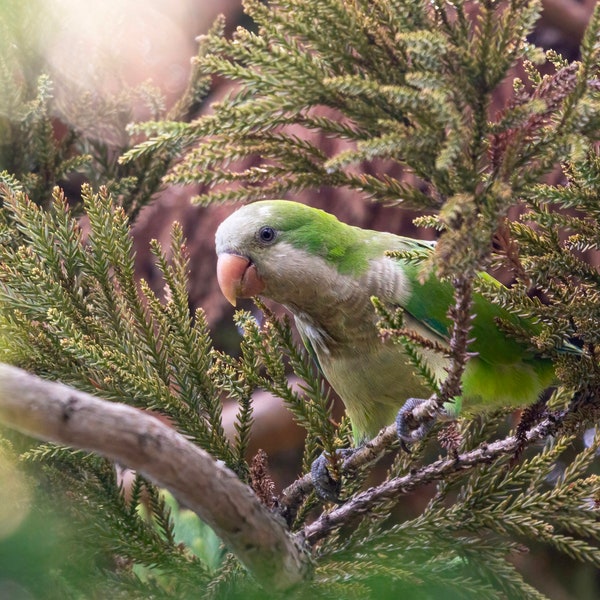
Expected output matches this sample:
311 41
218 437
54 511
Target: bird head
275 247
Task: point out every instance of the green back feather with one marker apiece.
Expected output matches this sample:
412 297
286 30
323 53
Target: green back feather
505 372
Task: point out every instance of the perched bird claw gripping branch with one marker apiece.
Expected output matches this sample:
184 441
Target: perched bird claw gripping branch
408 430
327 487
326 272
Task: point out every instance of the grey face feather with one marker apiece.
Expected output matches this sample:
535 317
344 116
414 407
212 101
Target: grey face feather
332 305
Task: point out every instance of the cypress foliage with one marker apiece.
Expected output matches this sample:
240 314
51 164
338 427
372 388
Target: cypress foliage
405 86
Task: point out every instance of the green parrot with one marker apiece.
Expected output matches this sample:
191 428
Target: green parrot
325 273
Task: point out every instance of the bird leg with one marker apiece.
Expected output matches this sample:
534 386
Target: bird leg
413 422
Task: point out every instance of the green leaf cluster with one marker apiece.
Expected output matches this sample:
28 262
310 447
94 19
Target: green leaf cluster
66 136
73 311
393 99
459 544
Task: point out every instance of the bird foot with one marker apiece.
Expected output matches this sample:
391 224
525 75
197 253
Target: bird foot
327 487
409 428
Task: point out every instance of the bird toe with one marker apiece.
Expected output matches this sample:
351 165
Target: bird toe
408 428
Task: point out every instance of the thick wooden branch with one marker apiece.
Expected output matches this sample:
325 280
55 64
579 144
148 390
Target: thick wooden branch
58 413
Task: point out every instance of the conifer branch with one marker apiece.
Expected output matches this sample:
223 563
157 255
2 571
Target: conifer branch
55 412
321 93
436 471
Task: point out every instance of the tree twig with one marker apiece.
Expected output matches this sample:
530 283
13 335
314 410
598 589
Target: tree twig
393 488
58 413
293 496
451 387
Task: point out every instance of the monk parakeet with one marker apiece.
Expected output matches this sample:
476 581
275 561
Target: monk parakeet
325 273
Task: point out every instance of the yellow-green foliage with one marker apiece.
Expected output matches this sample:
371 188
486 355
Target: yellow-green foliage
403 86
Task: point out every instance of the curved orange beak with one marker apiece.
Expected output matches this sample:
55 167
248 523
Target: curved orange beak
237 277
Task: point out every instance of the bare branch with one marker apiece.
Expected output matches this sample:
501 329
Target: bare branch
55 412
369 453
393 488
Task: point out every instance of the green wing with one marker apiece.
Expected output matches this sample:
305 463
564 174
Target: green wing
504 371
430 302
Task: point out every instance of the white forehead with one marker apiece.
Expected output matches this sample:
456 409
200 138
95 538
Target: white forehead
241 224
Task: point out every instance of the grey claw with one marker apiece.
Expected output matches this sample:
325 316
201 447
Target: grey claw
326 487
409 431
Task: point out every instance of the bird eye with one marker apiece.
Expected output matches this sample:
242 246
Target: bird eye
266 234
